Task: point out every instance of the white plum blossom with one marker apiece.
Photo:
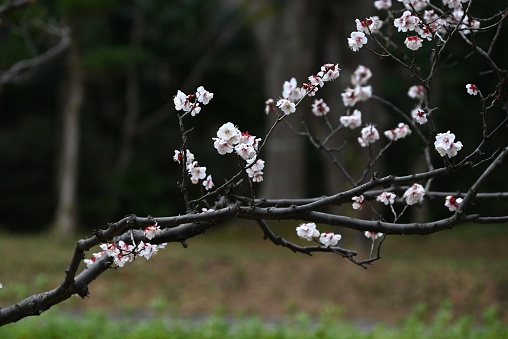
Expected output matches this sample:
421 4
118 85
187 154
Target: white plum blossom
369 135
383 4
125 255
353 120
424 32
110 249
203 95
248 139
257 176
208 183
387 198
320 108
472 89
309 89
146 250
413 42
151 231
177 156
246 151
416 92
291 91
419 115
369 25
286 106
222 146
195 109
329 239
349 97
454 3
361 75
229 133
189 157
329 72
452 203
123 252
229 139
181 101
197 173
269 106
94 258
307 231
445 144
373 235
358 202
465 25
414 194
363 93
434 21
255 172
400 132
407 22
316 81
356 41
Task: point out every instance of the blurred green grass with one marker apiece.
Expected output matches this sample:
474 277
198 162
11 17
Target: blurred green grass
233 269
329 324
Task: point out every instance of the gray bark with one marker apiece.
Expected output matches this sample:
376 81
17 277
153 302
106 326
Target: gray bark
66 213
287 41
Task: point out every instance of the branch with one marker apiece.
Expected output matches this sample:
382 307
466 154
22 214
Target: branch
78 285
22 67
12 5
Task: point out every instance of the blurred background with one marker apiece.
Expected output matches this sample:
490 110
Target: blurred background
88 136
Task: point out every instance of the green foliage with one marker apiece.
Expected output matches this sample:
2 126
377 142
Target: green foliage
97 324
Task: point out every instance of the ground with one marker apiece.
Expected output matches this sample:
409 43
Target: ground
232 269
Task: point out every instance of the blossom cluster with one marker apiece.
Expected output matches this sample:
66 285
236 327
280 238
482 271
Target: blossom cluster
122 252
400 132
309 232
359 91
413 195
292 94
446 145
420 17
418 114
230 138
189 103
196 172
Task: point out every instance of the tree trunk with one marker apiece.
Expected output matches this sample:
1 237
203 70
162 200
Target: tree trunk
287 42
66 213
126 150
